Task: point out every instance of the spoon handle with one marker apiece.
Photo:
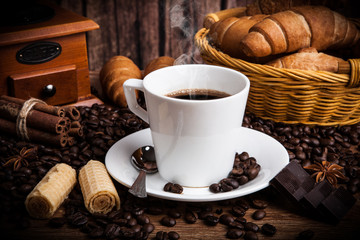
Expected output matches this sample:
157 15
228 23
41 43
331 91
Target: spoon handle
138 189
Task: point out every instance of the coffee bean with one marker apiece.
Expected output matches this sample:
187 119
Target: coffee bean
112 231
131 222
243 156
211 220
241 220
136 228
238 211
250 226
230 183
234 233
242 180
173 235
215 188
268 229
78 219
226 219
249 235
161 235
120 221
176 188
242 203
258 214
259 204
168 221
191 217
142 219
204 214
173 187
148 227
253 172
237 171
127 233
226 186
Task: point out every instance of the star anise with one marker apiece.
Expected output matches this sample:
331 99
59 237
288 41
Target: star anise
326 170
22 158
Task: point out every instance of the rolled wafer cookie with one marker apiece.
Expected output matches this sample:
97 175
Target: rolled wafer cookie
100 195
51 191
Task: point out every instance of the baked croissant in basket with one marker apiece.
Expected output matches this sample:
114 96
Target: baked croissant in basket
226 34
113 75
300 27
309 59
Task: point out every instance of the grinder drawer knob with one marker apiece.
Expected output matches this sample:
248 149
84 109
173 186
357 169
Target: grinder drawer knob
48 91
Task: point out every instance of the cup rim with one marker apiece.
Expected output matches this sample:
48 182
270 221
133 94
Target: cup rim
243 91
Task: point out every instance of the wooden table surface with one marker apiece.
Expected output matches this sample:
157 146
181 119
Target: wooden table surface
288 221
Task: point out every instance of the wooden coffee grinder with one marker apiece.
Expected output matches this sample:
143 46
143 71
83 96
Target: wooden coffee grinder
43 53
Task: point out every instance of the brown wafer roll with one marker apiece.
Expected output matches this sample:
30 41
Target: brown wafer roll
100 195
51 191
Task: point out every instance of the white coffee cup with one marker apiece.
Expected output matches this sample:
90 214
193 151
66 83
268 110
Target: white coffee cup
193 139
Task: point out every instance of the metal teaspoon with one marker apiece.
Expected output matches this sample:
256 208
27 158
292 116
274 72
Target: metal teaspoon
143 159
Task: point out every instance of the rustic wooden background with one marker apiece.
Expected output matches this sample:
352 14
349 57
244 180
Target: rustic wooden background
145 29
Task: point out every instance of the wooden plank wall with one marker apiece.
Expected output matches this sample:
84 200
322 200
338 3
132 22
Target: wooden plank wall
145 29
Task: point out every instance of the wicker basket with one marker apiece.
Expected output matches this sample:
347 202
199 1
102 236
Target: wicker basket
294 96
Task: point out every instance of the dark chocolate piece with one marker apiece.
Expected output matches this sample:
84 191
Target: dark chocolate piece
313 198
337 204
293 181
320 199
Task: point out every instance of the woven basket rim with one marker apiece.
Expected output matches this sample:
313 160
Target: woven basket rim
295 81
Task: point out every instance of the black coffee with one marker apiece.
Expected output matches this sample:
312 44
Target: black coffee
197 94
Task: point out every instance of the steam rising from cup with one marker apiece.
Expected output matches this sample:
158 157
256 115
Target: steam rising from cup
180 21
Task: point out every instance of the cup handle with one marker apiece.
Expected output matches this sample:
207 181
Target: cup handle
130 86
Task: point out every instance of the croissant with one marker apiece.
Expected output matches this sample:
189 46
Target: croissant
113 75
226 34
157 63
300 27
309 59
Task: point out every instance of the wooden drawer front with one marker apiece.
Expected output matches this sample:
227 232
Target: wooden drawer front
73 53
32 84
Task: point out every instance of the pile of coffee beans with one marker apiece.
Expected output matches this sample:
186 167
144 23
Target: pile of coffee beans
245 169
306 145
104 125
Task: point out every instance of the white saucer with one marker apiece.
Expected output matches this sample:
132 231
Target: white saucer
269 153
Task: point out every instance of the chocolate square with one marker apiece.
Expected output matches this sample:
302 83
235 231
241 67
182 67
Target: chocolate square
337 204
293 181
313 198
319 200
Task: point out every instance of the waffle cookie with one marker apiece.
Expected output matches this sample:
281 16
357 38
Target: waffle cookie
51 191
100 195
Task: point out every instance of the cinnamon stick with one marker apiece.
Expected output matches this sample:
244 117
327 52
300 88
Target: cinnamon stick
76 132
71 141
35 119
72 113
35 135
57 111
